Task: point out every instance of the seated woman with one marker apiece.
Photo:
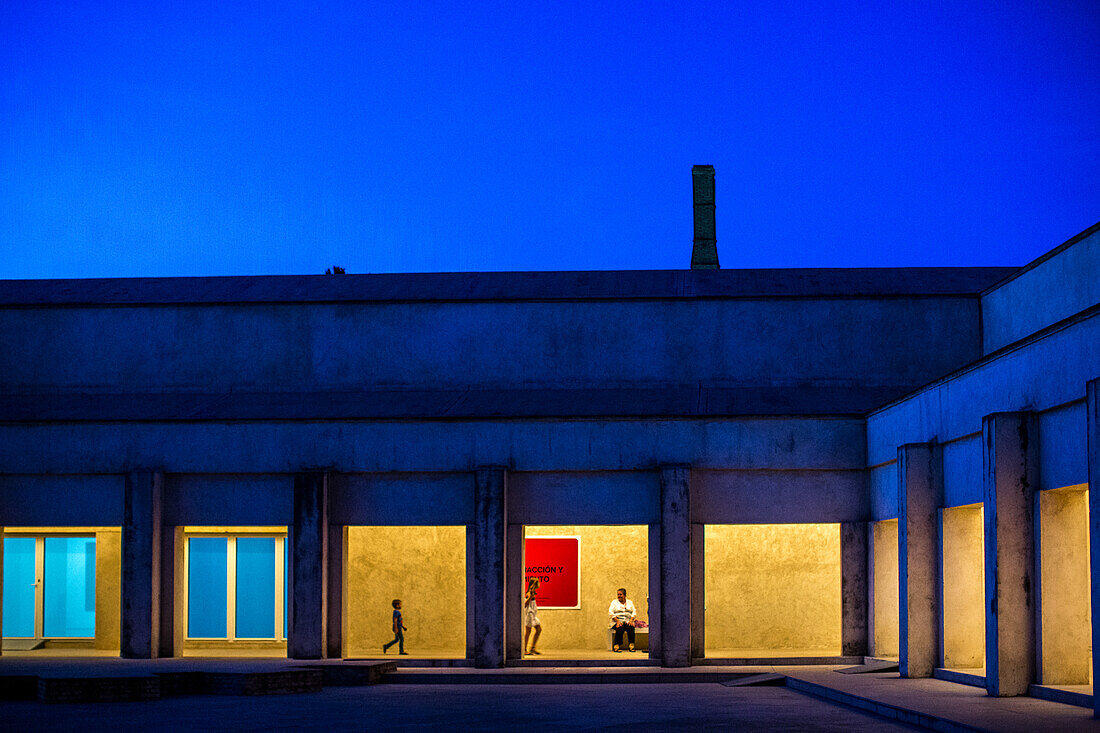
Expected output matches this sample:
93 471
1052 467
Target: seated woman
621 619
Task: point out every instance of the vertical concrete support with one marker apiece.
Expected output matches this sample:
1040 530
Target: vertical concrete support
513 604
676 585
308 567
920 492
1010 443
698 592
140 610
1092 409
172 629
853 589
489 566
655 594
337 553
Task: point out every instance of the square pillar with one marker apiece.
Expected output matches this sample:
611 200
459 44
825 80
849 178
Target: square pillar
308 567
173 626
1092 410
337 552
1010 445
853 589
920 493
655 595
676 556
513 606
698 592
140 609
489 566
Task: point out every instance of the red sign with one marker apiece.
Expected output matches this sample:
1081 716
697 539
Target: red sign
555 561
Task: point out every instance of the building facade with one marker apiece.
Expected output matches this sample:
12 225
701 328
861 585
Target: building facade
778 464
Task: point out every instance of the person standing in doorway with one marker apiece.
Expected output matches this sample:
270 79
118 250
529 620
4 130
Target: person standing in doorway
399 629
531 616
621 618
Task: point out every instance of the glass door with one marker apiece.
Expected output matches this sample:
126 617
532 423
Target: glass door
236 587
49 587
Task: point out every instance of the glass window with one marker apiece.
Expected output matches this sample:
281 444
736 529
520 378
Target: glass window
19 586
255 588
69 587
206 587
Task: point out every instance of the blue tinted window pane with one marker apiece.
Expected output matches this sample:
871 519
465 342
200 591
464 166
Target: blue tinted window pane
68 591
19 586
255 587
206 595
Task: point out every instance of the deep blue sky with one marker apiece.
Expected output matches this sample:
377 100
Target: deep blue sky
270 137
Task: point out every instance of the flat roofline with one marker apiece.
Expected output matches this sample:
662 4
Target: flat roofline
508 286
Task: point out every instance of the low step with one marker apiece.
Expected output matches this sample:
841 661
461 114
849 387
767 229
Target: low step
590 676
352 674
884 710
868 667
283 682
1066 697
758 680
98 689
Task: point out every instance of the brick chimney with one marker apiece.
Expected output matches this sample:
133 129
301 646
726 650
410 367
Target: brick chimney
704 249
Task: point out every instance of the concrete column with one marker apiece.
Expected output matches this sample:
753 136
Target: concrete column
676 556
698 592
655 594
489 566
853 589
140 609
1010 442
920 494
335 581
173 627
513 606
1092 409
308 567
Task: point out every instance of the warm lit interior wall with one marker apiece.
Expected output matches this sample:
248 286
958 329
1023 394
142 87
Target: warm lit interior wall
887 614
1065 602
423 566
611 557
773 588
963 587
108 587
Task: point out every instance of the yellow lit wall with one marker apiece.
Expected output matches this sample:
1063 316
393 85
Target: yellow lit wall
773 589
423 566
963 587
886 589
611 557
1065 602
108 587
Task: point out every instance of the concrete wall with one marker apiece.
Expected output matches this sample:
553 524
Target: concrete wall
1047 376
898 341
773 589
886 642
1058 285
1065 596
610 557
388 446
423 566
81 500
963 588
108 587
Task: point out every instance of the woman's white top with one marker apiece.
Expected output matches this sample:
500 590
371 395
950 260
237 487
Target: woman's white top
621 611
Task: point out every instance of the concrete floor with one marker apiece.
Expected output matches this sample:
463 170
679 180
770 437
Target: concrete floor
469 707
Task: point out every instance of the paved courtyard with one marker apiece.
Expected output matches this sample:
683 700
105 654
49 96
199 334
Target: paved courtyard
463 707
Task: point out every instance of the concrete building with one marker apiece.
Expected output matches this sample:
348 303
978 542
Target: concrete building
809 464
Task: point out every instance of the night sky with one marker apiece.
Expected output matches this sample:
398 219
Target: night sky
217 138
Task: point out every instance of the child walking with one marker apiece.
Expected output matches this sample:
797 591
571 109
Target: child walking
399 630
